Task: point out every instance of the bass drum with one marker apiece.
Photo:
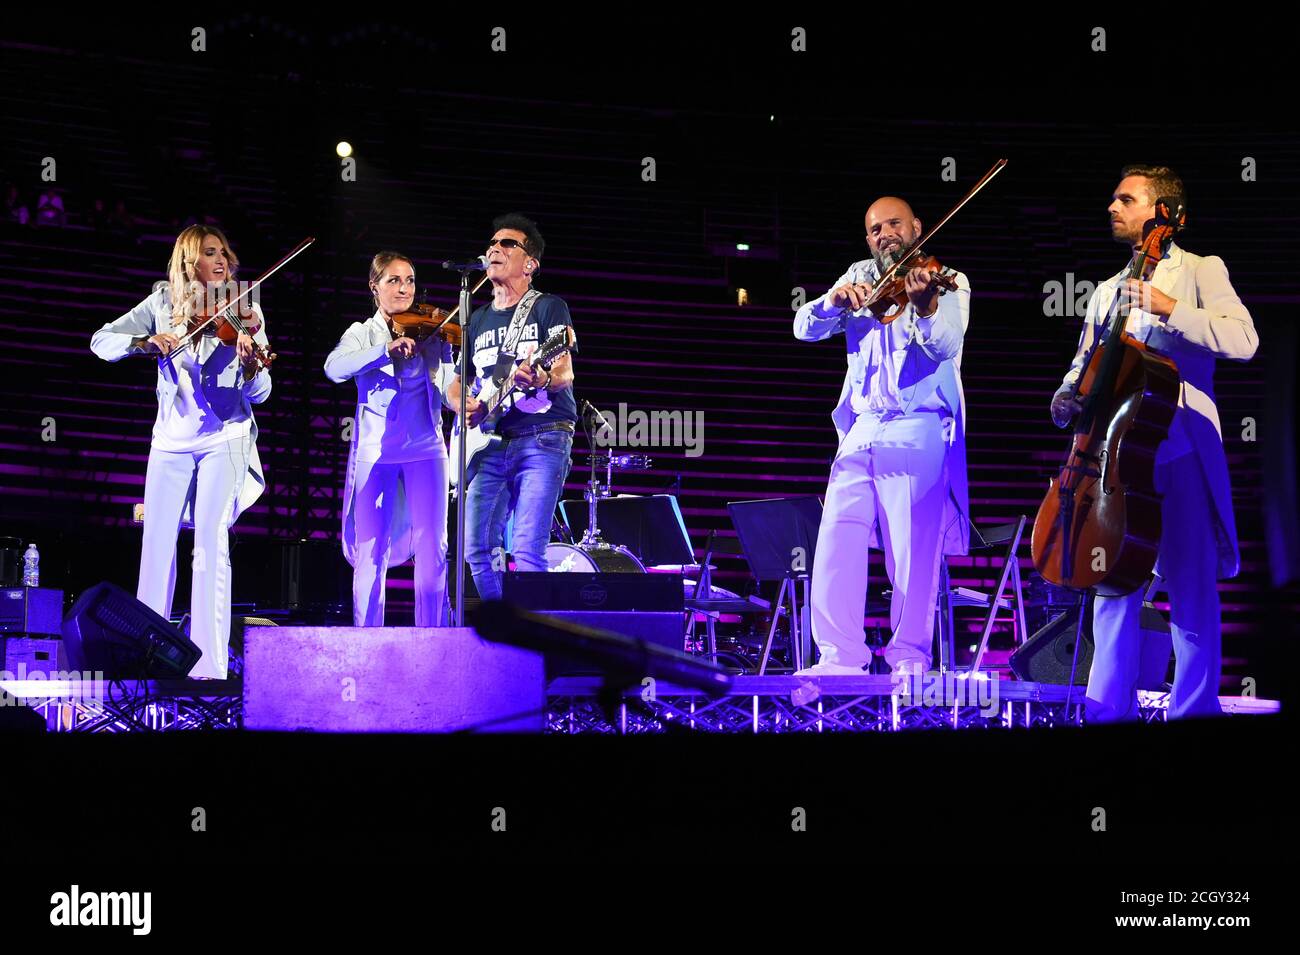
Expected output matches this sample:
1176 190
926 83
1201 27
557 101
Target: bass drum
571 558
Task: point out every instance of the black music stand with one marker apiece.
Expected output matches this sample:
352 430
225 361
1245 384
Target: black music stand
779 540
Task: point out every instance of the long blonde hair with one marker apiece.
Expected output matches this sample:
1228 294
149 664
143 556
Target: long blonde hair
182 273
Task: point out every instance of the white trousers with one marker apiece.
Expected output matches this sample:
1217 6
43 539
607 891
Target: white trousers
894 472
216 476
373 507
1188 565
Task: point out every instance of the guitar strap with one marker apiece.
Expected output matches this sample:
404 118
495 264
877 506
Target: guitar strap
506 353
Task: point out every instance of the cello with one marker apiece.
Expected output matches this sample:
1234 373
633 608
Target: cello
1098 527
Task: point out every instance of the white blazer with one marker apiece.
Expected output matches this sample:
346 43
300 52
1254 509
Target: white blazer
933 365
222 378
1208 322
362 354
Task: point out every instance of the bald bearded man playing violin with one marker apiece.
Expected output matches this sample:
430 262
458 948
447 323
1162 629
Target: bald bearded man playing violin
898 481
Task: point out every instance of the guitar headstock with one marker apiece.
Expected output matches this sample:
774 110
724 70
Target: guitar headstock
552 348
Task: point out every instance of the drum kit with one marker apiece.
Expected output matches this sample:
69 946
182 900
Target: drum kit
592 553
599 558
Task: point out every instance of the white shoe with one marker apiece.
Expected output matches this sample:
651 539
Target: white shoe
910 668
831 669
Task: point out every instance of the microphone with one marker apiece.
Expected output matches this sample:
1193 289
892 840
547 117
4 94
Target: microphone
478 265
618 657
589 409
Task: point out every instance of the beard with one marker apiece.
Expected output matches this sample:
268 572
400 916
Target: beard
886 259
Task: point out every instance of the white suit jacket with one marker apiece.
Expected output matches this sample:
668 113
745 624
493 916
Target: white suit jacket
1208 322
221 378
362 354
932 365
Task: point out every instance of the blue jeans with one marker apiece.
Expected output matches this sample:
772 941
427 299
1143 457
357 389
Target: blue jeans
519 478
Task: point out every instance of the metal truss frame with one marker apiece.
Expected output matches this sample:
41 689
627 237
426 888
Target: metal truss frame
785 704
152 706
773 704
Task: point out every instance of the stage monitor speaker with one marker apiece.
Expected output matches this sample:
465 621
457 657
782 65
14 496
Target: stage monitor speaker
545 592
31 611
1046 656
665 628
314 580
108 630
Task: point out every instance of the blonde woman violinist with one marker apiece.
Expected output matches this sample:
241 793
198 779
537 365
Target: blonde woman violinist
203 463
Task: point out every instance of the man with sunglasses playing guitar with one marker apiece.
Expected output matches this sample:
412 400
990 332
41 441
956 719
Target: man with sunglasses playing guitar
519 472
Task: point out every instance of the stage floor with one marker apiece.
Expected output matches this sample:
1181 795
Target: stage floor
784 704
578 705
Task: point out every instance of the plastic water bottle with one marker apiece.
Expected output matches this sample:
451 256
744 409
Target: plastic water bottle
32 567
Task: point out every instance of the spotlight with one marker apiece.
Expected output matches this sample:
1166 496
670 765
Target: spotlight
344 149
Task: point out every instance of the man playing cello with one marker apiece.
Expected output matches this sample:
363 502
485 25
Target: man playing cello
1188 312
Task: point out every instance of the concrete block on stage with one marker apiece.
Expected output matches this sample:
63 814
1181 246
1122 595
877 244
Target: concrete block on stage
388 680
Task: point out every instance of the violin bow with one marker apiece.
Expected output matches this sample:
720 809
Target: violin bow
452 314
297 250
984 181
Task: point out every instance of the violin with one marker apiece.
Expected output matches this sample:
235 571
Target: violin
228 325
422 321
888 297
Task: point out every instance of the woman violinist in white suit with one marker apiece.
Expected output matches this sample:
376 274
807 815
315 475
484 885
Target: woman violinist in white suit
203 461
395 493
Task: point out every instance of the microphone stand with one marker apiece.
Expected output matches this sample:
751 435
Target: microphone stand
592 421
462 494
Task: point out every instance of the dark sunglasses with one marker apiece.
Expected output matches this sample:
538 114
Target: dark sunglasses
508 244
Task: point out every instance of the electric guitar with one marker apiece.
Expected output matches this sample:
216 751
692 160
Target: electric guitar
499 399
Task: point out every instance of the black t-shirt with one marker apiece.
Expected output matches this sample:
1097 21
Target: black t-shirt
487 330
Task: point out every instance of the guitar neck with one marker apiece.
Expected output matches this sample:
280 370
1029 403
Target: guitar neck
495 399
543 362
